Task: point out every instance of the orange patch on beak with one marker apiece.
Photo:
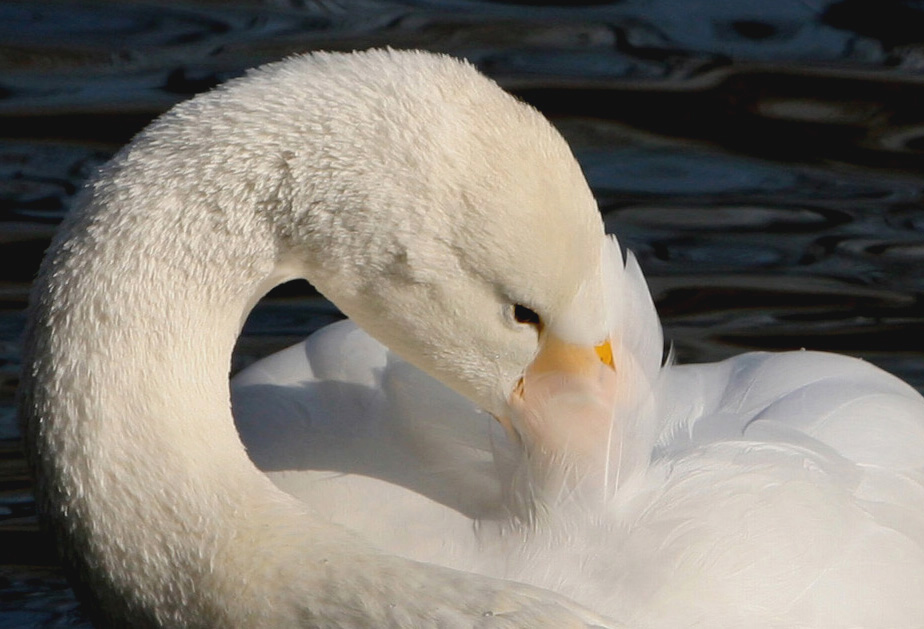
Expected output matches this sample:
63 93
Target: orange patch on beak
605 353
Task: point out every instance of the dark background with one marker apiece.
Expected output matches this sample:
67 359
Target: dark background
763 159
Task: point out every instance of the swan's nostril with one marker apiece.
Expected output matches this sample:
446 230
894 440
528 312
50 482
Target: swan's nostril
519 390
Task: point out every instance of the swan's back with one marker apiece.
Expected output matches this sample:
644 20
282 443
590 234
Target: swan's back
779 490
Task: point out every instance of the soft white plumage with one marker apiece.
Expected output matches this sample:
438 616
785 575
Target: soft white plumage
770 490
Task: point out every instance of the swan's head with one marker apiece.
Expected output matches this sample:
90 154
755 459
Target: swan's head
467 238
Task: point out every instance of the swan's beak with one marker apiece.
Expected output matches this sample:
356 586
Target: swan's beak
558 356
565 400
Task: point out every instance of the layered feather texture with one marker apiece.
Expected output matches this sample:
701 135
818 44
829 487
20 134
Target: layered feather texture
768 490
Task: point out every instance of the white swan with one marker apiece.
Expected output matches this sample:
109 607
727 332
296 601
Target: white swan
766 491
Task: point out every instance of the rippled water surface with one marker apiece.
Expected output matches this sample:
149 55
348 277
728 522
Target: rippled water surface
763 159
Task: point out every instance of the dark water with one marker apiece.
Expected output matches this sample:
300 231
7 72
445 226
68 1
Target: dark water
763 159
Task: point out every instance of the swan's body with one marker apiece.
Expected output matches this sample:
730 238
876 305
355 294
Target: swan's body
453 224
783 490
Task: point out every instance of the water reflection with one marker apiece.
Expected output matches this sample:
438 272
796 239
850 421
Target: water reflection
762 159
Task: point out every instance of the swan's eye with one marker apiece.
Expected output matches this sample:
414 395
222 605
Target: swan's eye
522 314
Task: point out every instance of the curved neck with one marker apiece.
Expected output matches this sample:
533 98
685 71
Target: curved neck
126 407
